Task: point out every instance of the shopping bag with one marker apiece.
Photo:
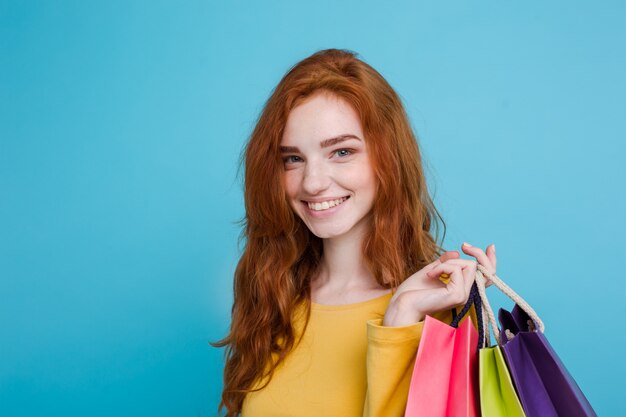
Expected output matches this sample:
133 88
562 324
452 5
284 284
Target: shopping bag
444 382
497 392
543 385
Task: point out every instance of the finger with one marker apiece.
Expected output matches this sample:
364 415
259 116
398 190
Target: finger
480 256
463 263
467 264
470 267
469 275
491 254
456 288
446 268
443 258
469 272
452 254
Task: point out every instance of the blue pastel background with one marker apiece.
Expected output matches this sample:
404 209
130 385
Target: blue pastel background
121 124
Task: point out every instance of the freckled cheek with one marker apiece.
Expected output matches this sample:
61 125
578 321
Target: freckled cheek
366 184
361 179
291 184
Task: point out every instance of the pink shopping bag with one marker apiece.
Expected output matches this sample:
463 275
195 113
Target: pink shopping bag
445 377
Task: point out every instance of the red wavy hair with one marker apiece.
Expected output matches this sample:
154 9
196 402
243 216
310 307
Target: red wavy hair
273 275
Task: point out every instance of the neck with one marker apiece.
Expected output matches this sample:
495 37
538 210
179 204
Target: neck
342 267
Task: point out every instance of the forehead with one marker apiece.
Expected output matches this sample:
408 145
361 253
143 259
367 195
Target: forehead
321 116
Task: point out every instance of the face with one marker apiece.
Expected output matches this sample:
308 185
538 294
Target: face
328 177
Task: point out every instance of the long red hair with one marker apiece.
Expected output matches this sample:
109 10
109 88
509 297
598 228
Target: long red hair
273 275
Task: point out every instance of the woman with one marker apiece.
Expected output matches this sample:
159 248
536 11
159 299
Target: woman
340 267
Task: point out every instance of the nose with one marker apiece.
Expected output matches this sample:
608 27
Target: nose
316 178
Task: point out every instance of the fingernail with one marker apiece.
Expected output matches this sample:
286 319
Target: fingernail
467 244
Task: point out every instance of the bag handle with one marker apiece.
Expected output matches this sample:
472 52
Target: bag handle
473 299
481 278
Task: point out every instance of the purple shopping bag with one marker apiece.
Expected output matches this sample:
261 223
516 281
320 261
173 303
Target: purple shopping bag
544 386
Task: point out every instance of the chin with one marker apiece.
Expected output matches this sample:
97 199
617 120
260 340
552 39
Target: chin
329 232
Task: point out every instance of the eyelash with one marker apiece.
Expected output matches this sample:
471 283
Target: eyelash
351 151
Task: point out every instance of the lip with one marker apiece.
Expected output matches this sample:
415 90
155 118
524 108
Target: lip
324 213
321 200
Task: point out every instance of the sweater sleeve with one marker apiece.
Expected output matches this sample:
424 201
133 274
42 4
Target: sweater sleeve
391 355
390 358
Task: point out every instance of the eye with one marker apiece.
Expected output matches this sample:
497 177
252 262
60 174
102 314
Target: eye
289 159
344 152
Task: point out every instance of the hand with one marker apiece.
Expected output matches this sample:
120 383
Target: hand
488 260
423 293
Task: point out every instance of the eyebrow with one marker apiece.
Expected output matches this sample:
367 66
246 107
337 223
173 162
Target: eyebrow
323 144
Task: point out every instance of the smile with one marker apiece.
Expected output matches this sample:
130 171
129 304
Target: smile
326 204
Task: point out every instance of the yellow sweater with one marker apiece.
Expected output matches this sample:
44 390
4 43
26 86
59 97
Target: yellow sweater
347 365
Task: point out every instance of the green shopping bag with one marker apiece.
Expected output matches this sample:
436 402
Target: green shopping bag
497 394
498 397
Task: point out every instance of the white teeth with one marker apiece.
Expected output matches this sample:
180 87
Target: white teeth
326 204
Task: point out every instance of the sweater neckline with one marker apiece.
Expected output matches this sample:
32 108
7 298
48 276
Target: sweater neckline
335 307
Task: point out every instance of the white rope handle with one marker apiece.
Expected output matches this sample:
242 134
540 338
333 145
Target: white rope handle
481 278
490 320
